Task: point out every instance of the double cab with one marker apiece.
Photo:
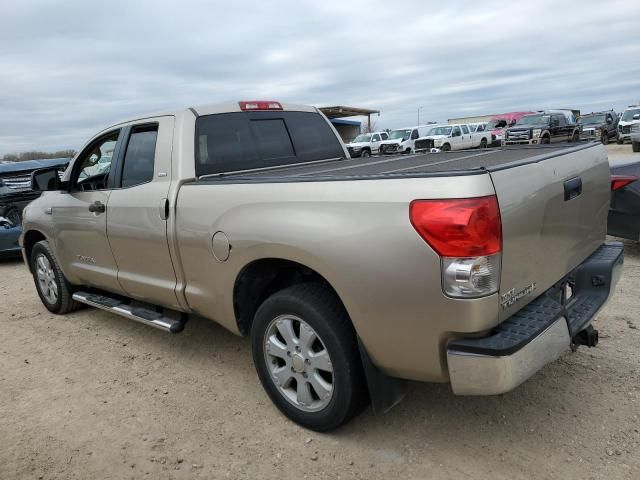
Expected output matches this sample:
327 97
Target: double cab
349 276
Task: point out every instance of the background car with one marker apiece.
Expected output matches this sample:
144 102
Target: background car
600 126
624 211
630 116
15 194
366 144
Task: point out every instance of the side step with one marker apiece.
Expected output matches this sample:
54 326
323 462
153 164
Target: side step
139 314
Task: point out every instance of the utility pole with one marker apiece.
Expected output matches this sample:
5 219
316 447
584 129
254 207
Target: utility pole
419 108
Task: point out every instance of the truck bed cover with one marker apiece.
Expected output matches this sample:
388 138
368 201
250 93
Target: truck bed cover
464 162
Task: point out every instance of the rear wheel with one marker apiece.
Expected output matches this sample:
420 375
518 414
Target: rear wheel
306 355
483 143
636 146
53 288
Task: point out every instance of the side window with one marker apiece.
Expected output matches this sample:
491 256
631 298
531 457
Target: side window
480 128
376 138
414 135
456 132
139 158
385 136
465 130
95 163
562 121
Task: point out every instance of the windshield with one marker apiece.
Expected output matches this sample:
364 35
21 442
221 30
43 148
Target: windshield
534 120
592 119
399 134
628 115
362 138
440 131
499 123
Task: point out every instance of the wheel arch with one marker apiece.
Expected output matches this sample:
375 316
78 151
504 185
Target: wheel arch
260 278
30 238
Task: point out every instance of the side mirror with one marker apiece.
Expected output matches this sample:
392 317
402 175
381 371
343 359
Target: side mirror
46 179
636 116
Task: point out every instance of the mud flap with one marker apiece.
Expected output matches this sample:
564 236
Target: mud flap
385 391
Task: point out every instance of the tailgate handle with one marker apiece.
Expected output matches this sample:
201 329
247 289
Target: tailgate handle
572 188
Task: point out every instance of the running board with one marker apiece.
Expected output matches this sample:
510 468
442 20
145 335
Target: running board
139 314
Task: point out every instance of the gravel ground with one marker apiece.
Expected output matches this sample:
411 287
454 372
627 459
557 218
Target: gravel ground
92 395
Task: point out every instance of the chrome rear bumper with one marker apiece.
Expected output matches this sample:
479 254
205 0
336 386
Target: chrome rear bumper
539 333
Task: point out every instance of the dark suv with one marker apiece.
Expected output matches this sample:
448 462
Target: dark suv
542 128
600 126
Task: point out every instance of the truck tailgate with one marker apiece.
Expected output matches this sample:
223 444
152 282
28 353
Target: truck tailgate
554 215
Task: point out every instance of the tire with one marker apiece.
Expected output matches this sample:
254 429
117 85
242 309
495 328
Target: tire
575 138
53 288
483 143
365 154
314 309
545 140
446 147
635 146
605 138
13 215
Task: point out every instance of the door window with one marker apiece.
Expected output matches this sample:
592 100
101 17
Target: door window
456 132
414 135
94 164
465 130
384 136
139 158
376 138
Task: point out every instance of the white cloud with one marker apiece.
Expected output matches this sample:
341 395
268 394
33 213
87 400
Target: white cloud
70 68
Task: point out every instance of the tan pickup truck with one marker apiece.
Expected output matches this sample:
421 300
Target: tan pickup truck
351 276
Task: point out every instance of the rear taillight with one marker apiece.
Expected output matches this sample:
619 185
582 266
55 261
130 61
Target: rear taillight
260 105
467 234
619 181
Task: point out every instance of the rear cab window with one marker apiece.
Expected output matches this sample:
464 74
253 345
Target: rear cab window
236 141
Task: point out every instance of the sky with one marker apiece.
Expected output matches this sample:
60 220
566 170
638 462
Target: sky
70 68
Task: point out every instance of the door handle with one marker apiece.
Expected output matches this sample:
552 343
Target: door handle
572 188
97 207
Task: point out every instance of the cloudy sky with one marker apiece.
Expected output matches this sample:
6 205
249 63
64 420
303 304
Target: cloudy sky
69 68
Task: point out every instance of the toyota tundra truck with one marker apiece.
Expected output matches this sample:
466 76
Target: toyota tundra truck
349 276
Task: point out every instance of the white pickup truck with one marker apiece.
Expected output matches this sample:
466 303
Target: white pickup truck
366 144
453 137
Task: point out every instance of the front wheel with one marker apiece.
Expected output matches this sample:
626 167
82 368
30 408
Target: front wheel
53 288
365 154
605 138
306 354
446 147
545 140
575 138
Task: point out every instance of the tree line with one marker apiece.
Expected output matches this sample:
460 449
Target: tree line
21 157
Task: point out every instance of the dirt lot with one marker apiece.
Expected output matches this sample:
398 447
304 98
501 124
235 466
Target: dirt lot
92 395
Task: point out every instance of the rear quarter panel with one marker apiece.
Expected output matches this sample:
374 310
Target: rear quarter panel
357 235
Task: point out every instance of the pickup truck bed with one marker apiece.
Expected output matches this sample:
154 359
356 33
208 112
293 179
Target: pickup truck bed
466 162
